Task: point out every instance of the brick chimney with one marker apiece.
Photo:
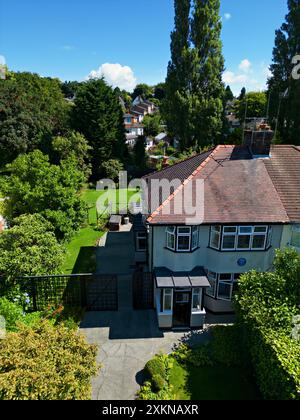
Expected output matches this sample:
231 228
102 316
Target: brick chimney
259 140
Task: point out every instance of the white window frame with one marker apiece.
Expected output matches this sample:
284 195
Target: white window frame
171 231
198 291
242 231
213 279
229 234
167 292
214 232
227 283
184 235
195 238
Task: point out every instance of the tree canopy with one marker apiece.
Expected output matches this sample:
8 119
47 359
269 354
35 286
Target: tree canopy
37 186
256 103
32 109
29 248
98 115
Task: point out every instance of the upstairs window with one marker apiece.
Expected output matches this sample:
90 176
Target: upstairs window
240 238
141 241
182 239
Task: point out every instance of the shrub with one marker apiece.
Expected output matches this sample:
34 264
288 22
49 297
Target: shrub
155 367
46 363
11 313
158 382
226 346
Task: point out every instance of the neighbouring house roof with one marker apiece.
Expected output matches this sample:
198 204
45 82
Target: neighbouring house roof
161 136
171 280
237 188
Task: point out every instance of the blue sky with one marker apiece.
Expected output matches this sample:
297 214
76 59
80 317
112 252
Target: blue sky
70 39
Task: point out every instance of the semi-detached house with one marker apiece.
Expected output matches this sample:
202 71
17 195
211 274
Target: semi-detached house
251 208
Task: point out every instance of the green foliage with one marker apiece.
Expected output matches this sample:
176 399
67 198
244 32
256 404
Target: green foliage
98 115
74 145
32 109
152 124
266 304
256 103
112 168
46 363
142 90
36 186
146 393
29 247
11 313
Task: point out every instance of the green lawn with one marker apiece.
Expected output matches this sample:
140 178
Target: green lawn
211 383
81 257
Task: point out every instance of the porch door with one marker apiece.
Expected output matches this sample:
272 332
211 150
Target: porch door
182 308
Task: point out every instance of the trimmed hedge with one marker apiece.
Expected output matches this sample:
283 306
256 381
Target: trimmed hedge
266 304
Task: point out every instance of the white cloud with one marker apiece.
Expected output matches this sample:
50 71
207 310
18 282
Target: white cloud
227 16
2 60
245 66
231 78
116 75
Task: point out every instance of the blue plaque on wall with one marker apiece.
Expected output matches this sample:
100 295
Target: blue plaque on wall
242 262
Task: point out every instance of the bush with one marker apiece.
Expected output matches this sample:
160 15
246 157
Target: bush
11 312
46 363
226 346
158 382
155 367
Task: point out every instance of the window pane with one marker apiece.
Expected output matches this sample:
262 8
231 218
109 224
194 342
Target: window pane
195 238
184 230
228 242
196 299
215 240
171 229
216 228
183 243
225 277
230 229
260 229
258 241
168 303
170 241
244 242
211 291
224 290
245 229
270 237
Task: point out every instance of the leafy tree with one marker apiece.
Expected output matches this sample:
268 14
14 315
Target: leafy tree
29 248
32 109
152 124
142 90
112 168
139 152
36 186
284 90
98 116
75 145
46 363
193 108
256 103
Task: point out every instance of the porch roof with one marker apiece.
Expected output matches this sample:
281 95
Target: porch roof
166 279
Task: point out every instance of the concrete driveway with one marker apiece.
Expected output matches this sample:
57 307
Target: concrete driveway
126 339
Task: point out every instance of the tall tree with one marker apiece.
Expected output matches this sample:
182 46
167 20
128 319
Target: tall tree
176 106
284 91
98 116
228 94
194 102
209 65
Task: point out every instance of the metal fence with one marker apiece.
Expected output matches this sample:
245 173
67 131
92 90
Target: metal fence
89 291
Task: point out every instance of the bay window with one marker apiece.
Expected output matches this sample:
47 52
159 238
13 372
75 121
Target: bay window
182 239
241 238
223 285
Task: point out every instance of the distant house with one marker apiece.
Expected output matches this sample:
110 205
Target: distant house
133 125
163 137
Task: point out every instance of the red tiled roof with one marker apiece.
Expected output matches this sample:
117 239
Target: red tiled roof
237 188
